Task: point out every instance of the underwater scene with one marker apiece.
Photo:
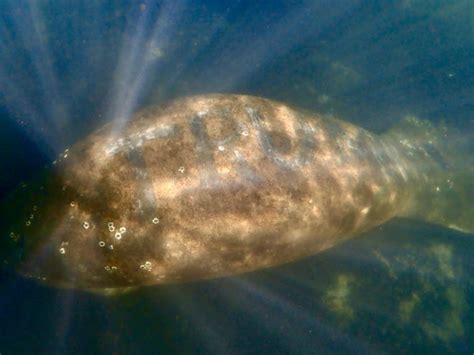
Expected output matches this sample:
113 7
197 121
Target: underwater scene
236 177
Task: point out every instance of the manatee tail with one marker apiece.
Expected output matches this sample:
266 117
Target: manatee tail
443 160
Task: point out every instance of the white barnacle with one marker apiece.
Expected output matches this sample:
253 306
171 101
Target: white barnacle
73 204
62 251
111 227
107 268
28 223
118 236
122 230
181 169
221 148
156 220
146 266
245 133
86 225
111 247
102 244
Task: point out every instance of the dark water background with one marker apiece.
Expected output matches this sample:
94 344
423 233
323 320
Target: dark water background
68 67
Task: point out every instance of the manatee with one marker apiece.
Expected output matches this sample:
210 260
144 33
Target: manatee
216 185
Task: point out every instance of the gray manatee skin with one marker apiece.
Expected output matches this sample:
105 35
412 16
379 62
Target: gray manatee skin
205 187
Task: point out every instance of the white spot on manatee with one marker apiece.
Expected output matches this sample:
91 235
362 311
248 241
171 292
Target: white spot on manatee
146 266
111 227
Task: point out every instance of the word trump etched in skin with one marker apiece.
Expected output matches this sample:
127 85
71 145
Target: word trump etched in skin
292 145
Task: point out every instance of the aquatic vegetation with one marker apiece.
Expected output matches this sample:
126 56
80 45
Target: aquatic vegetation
407 307
338 297
450 325
419 285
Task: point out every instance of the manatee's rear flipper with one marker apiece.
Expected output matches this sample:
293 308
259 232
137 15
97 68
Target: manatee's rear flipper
443 160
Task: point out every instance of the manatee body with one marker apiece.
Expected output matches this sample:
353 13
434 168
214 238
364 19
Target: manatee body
204 187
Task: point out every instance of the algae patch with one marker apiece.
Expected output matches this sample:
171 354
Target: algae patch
451 325
337 297
407 307
435 273
443 254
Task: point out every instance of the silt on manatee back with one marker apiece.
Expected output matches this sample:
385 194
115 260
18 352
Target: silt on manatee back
216 185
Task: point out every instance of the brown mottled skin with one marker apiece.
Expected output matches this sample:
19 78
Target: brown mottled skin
209 186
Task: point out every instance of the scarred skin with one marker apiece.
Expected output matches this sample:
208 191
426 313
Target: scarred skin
205 187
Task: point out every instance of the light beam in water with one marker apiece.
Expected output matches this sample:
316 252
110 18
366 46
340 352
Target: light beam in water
47 118
241 59
135 65
270 309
